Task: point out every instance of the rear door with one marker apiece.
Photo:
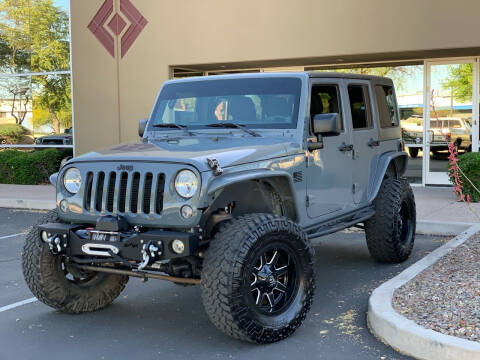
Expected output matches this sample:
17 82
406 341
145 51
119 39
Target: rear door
329 170
364 135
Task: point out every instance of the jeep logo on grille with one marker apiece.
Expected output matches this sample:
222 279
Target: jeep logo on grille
125 167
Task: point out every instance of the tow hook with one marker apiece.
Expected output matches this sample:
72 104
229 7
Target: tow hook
149 253
54 242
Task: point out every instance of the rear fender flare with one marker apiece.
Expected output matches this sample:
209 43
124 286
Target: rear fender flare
399 161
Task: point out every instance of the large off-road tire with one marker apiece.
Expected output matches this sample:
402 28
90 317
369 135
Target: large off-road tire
60 286
258 278
390 232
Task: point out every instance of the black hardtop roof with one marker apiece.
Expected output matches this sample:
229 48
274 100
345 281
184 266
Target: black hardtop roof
330 74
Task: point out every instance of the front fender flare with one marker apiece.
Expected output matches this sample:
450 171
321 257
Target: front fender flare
220 182
399 159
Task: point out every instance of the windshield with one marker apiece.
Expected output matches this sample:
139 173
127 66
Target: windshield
252 102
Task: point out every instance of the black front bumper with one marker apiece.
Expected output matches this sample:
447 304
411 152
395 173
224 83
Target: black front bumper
74 240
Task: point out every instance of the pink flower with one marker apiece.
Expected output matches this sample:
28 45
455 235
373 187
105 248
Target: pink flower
454 174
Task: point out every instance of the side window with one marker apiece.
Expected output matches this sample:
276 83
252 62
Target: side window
360 106
386 106
325 100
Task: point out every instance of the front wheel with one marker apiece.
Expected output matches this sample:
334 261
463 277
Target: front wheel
390 232
59 284
258 278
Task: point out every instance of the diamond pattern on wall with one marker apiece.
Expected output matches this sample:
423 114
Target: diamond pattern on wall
117 24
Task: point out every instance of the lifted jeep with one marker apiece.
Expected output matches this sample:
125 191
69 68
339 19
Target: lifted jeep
233 177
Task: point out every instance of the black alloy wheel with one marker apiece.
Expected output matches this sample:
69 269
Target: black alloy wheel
273 279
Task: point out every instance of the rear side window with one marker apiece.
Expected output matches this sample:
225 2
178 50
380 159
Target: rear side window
386 106
360 106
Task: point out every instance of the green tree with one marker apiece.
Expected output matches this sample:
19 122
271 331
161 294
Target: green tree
52 93
14 36
459 80
34 36
398 74
43 117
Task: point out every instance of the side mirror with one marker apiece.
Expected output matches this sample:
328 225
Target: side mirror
326 124
142 124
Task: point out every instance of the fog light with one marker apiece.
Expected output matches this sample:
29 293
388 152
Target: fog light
186 211
64 205
178 246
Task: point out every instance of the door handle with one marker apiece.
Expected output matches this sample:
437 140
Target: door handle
373 143
344 147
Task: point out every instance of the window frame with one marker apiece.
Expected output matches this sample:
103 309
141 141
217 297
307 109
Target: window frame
368 103
340 105
30 74
395 106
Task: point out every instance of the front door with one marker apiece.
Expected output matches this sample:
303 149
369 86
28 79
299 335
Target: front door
364 135
329 171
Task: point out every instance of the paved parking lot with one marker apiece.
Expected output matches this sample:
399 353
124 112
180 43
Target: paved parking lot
163 320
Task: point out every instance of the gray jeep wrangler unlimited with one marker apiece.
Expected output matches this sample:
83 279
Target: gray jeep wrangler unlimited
233 177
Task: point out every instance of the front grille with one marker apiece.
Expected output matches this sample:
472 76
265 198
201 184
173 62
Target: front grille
134 193
124 193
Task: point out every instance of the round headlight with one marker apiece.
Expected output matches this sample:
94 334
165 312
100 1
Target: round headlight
72 180
186 183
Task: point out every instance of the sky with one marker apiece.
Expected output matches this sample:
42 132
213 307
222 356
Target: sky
63 3
414 82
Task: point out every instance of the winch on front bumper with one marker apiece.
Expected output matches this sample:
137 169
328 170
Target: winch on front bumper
114 241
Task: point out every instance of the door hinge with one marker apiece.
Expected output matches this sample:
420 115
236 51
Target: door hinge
307 201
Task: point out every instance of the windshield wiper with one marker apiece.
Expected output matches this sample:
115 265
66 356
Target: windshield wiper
174 126
230 125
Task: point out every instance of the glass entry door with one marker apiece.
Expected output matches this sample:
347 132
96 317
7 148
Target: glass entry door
450 117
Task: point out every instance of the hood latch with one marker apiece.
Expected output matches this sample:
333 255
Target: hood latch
215 166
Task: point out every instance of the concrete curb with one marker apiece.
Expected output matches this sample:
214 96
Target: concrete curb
28 204
403 334
430 227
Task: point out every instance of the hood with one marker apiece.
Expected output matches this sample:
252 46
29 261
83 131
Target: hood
228 150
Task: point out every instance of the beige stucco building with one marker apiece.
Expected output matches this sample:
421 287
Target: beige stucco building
123 50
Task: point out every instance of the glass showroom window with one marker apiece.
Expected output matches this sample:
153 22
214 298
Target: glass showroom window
408 80
35 85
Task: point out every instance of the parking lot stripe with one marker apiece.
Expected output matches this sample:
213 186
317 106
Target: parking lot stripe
10 236
17 304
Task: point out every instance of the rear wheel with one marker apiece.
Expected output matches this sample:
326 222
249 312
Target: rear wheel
257 280
390 232
59 284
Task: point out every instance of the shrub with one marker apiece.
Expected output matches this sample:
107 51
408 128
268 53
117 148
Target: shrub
28 168
469 164
12 132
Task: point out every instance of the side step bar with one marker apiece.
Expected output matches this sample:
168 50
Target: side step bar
341 223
